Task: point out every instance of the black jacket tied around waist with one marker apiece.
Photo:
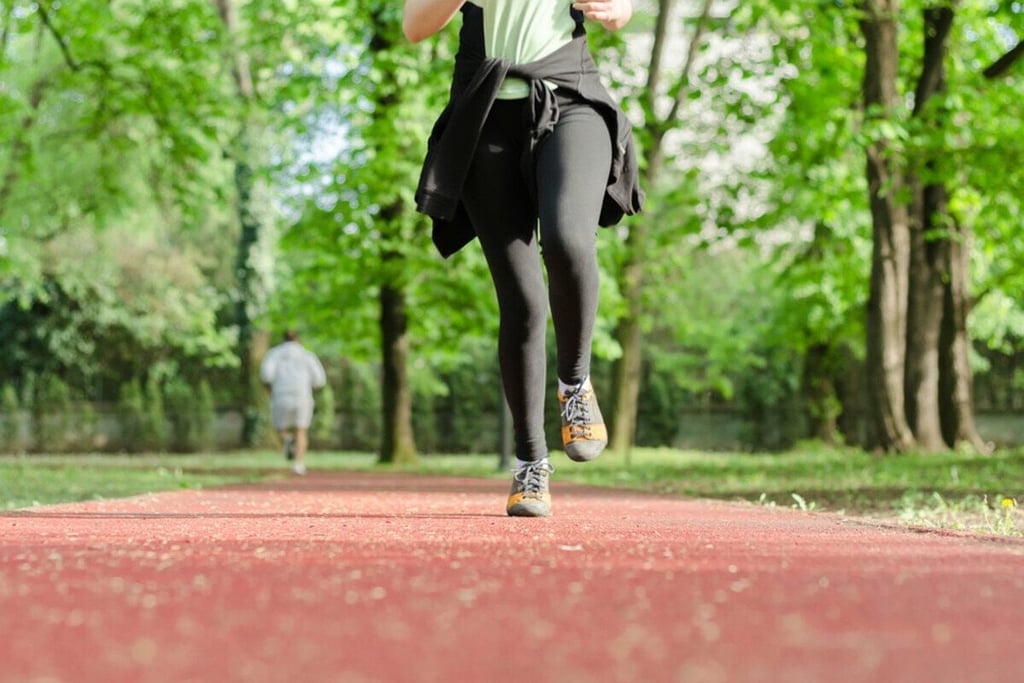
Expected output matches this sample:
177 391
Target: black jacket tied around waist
477 79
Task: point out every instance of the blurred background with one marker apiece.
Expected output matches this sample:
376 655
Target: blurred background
831 249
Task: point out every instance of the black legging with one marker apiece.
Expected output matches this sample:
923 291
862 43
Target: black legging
571 174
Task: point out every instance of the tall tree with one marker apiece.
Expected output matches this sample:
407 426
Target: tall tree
103 282
364 257
397 441
930 244
956 376
249 300
940 146
939 377
658 122
890 262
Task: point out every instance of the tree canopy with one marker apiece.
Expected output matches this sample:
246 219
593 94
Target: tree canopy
178 179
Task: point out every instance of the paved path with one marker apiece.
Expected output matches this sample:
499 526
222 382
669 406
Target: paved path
365 578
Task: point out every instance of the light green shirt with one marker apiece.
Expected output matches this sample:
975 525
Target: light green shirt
523 31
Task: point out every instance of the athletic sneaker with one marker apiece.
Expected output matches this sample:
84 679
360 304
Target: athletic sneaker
584 434
289 449
530 496
299 468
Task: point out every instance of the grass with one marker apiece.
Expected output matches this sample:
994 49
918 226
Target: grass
949 490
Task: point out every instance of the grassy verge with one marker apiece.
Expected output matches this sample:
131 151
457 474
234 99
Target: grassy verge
950 490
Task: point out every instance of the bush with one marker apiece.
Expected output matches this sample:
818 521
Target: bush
10 418
322 432
155 429
190 416
51 403
141 416
179 399
204 415
131 415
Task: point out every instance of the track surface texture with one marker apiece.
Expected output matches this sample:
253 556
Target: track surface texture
360 578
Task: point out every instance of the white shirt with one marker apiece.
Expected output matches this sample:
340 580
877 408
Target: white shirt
292 371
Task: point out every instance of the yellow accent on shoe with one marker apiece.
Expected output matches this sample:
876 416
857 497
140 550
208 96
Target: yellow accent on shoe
596 432
535 506
584 434
530 496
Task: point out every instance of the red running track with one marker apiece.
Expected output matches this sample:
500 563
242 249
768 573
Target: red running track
359 578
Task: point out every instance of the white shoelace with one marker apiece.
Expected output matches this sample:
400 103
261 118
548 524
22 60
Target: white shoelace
576 409
533 476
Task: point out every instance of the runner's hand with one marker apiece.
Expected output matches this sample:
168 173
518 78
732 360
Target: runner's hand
612 14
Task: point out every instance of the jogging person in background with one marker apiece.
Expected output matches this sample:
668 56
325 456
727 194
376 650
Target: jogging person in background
529 139
292 372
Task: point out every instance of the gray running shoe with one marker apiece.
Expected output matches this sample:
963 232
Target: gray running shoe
530 496
584 434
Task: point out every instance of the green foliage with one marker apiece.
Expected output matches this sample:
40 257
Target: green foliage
141 416
357 229
324 418
141 108
140 306
51 401
466 416
178 404
87 425
189 412
153 425
101 274
203 414
357 401
814 181
119 260
131 415
10 418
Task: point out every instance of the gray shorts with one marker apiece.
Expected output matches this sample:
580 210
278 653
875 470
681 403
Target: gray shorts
291 414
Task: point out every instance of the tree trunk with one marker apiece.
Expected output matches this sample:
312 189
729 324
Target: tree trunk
887 305
627 370
955 381
955 378
628 332
854 421
247 302
626 381
820 395
924 315
245 282
819 380
397 444
929 253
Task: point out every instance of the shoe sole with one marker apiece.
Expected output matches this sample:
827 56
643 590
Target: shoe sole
529 510
584 451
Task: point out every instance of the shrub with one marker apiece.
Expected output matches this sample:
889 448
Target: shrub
51 403
204 415
10 418
322 431
131 412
